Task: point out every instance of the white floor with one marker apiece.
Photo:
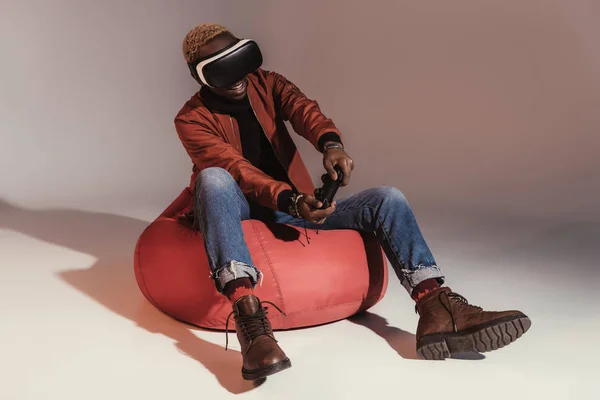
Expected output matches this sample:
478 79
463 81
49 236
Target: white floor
75 326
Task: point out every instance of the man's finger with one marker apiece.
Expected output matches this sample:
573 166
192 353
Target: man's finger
312 201
315 220
329 168
324 213
319 216
347 170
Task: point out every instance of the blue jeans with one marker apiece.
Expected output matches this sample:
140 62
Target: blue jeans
220 206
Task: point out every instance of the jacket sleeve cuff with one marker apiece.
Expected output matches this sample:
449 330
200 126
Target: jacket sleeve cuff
284 200
328 137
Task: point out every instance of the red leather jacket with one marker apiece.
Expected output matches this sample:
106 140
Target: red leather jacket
213 139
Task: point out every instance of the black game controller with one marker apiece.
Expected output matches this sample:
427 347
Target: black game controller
330 187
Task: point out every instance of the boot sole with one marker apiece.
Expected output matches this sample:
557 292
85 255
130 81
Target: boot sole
266 371
479 339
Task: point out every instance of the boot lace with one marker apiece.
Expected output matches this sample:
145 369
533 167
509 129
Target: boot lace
253 325
306 234
462 301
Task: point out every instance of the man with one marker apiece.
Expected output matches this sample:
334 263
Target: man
247 166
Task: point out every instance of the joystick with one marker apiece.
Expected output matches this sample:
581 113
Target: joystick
326 193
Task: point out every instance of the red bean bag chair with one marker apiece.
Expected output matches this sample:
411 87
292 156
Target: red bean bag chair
336 275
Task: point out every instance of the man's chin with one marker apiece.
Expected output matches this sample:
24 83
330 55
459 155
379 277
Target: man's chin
231 94
235 95
239 96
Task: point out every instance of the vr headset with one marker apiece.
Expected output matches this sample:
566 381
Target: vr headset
228 66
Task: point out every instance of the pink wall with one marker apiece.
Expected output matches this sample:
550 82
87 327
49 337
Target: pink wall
490 104
466 103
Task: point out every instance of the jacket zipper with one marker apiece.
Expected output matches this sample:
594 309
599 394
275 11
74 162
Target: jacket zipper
277 157
268 140
233 128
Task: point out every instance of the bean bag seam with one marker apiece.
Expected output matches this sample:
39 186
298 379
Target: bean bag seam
330 306
270 263
218 324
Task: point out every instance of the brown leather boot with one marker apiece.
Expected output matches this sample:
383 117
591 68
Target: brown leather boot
261 354
448 324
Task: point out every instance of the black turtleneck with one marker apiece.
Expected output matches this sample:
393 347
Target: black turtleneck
256 147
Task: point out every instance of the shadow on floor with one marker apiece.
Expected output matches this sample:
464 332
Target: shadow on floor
111 282
404 343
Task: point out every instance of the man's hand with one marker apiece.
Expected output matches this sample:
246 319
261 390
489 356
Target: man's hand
309 209
339 157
